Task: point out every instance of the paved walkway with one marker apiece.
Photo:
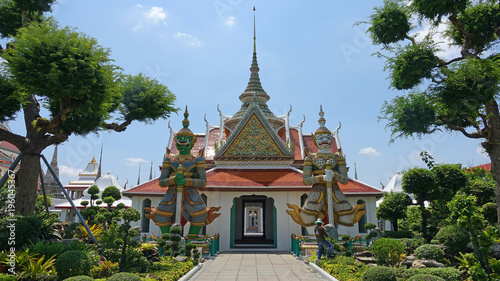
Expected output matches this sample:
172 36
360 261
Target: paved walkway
236 266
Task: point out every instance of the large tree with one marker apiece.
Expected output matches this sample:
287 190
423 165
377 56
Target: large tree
393 208
458 94
73 77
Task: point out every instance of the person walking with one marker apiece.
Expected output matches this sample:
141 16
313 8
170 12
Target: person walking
321 234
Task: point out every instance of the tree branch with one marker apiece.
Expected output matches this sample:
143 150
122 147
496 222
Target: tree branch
442 62
117 127
14 139
467 36
477 135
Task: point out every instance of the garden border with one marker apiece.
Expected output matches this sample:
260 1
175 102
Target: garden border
320 271
195 271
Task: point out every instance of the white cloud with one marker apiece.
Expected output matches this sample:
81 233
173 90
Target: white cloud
447 52
189 39
151 17
134 161
482 152
369 151
69 172
230 21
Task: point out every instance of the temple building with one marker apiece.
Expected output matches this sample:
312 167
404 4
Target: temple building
254 168
8 152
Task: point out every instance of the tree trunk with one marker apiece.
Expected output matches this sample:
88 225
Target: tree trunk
424 223
492 146
27 183
395 225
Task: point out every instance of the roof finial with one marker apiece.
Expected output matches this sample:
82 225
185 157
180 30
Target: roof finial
254 37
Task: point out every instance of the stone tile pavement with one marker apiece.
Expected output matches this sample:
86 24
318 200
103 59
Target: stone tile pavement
250 266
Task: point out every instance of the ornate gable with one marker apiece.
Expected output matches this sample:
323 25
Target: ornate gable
254 139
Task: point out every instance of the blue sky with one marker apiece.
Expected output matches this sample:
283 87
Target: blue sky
308 54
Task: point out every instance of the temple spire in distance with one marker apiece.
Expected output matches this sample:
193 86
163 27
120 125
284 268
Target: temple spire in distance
254 90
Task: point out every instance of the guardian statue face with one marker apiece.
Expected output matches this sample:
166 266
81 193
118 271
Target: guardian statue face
324 141
184 144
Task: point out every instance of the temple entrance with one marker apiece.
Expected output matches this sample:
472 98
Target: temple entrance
253 222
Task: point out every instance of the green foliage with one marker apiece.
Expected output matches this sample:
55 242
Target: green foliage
447 273
425 277
398 234
15 14
49 249
124 276
474 82
68 68
93 190
145 99
104 269
28 229
434 10
343 268
455 237
7 277
389 23
413 221
379 273
421 182
72 263
481 184
168 269
479 21
411 114
490 212
111 191
393 207
79 278
414 64
412 244
37 269
429 252
11 102
388 251
370 226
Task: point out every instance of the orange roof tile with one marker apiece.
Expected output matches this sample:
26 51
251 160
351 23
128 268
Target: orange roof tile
250 179
254 178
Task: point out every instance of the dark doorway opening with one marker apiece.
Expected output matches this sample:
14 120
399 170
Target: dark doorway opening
254 224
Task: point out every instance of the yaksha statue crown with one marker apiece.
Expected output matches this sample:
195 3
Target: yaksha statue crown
324 170
183 174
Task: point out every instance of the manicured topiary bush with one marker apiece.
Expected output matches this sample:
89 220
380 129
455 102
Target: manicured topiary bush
447 273
79 278
425 277
388 251
429 252
379 273
72 263
124 276
455 237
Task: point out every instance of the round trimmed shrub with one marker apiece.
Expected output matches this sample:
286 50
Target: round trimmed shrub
388 251
379 273
72 263
429 252
79 278
425 277
124 276
453 236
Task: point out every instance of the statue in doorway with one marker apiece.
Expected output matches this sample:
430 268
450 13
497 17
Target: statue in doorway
183 174
323 169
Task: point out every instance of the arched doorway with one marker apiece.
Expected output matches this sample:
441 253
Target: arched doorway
253 222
